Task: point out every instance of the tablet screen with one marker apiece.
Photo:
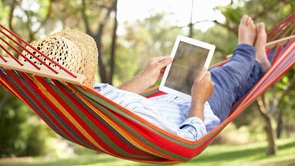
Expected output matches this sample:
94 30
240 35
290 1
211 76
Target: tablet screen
189 57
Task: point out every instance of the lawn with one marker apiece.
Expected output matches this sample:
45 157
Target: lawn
217 155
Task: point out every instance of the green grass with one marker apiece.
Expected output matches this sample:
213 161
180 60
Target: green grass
216 155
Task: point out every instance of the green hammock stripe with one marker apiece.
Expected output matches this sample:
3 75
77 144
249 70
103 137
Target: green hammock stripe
86 122
28 92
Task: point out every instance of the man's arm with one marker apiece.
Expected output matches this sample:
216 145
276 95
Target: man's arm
148 77
201 91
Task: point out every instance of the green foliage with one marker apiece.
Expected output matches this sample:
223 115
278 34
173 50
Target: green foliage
217 36
36 134
3 13
233 13
11 118
21 134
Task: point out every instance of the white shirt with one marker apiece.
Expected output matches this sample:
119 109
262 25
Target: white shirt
167 111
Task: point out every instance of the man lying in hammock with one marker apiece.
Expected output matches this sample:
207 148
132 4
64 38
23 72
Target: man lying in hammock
213 93
209 105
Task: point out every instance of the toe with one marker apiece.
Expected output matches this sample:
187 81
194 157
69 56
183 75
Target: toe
249 21
244 19
261 28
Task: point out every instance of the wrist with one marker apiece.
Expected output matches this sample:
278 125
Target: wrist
197 110
142 82
144 79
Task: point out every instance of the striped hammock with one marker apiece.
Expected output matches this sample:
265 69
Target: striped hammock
83 116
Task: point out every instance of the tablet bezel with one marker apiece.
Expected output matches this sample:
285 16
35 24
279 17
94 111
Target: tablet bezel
191 41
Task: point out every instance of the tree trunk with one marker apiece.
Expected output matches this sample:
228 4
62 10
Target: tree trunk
114 39
102 64
10 18
279 124
270 134
191 25
97 36
263 108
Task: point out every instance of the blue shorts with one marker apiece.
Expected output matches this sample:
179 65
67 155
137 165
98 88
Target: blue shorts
233 80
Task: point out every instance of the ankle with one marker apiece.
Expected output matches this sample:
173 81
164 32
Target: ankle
265 65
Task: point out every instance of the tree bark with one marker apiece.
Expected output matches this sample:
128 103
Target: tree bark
114 39
263 108
279 124
191 25
10 18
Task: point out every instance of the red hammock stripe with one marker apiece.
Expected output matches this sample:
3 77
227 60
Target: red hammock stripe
276 56
82 111
15 90
65 110
51 121
62 120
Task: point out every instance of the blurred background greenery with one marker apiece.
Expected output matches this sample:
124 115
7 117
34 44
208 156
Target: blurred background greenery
126 44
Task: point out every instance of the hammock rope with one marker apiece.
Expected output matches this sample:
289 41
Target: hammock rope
85 117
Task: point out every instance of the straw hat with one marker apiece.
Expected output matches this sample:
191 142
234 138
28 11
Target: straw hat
74 50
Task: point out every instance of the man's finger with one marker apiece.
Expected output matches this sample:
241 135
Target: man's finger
203 74
164 62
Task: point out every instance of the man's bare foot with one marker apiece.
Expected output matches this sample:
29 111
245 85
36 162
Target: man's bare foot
260 47
247 31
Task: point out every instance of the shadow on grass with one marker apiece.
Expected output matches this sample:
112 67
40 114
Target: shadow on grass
226 156
287 146
251 153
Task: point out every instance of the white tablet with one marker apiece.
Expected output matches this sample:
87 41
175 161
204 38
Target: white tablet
189 57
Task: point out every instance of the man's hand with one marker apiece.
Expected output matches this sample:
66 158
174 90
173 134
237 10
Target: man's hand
201 91
155 69
148 77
